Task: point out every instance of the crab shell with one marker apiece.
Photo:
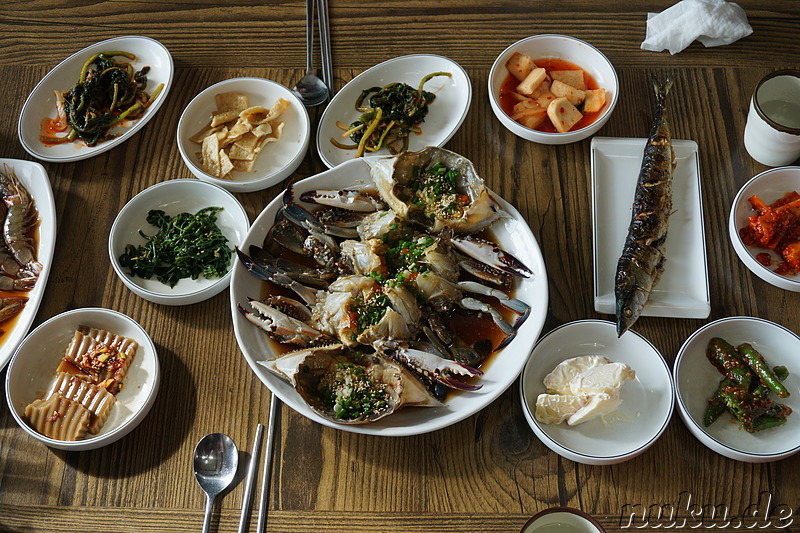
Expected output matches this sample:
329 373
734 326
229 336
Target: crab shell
304 369
391 174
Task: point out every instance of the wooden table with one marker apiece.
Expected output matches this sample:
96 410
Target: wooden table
487 473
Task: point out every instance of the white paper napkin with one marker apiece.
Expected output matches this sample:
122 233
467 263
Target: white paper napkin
712 22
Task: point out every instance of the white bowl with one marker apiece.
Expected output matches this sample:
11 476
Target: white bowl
646 402
565 519
31 373
276 161
512 233
770 185
445 114
42 103
173 197
696 380
569 49
34 177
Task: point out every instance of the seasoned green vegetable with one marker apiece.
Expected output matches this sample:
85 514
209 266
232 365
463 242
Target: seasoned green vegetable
394 111
185 246
764 372
106 93
746 388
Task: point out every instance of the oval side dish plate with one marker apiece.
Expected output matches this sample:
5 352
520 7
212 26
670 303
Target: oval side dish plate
34 177
41 103
445 115
513 234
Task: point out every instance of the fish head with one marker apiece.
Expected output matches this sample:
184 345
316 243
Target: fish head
631 298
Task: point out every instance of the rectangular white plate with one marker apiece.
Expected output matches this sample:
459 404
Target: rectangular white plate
683 289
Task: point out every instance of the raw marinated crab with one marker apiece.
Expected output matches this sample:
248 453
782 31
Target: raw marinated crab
379 285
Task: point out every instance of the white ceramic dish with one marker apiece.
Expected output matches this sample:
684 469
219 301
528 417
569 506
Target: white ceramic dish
646 406
696 380
446 113
513 234
562 520
34 177
580 53
31 373
173 197
42 103
683 290
770 186
276 161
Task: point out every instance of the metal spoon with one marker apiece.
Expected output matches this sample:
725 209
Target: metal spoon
215 462
310 89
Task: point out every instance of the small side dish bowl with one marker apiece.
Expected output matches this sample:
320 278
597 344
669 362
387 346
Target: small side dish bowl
570 49
32 372
174 197
647 402
770 185
565 519
696 380
276 161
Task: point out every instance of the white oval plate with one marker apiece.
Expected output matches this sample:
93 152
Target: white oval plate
34 177
647 402
445 114
174 197
41 103
513 234
32 373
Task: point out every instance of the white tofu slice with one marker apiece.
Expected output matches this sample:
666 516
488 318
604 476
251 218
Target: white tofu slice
598 405
575 96
603 378
595 100
563 114
559 379
532 81
573 78
555 408
520 65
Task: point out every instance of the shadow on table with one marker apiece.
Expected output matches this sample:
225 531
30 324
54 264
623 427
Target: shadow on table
159 435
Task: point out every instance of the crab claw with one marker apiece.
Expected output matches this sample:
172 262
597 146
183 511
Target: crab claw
490 254
280 326
440 370
346 199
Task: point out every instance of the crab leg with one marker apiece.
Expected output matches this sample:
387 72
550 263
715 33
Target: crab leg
516 305
268 273
476 305
346 199
444 371
490 254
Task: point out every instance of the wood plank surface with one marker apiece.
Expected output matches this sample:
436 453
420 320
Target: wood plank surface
488 473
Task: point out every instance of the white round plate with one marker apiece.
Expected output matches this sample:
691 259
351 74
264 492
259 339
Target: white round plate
445 114
646 402
513 235
32 371
276 161
174 197
696 380
770 185
34 177
41 103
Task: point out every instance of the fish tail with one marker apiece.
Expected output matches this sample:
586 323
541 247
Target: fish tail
662 89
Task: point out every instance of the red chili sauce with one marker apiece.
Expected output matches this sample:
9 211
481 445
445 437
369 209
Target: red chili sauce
509 86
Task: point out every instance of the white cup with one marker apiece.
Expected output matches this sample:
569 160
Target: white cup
772 133
562 520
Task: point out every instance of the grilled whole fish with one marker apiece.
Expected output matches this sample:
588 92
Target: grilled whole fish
642 261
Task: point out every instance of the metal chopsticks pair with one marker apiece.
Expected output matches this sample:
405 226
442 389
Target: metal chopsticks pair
325 45
251 472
